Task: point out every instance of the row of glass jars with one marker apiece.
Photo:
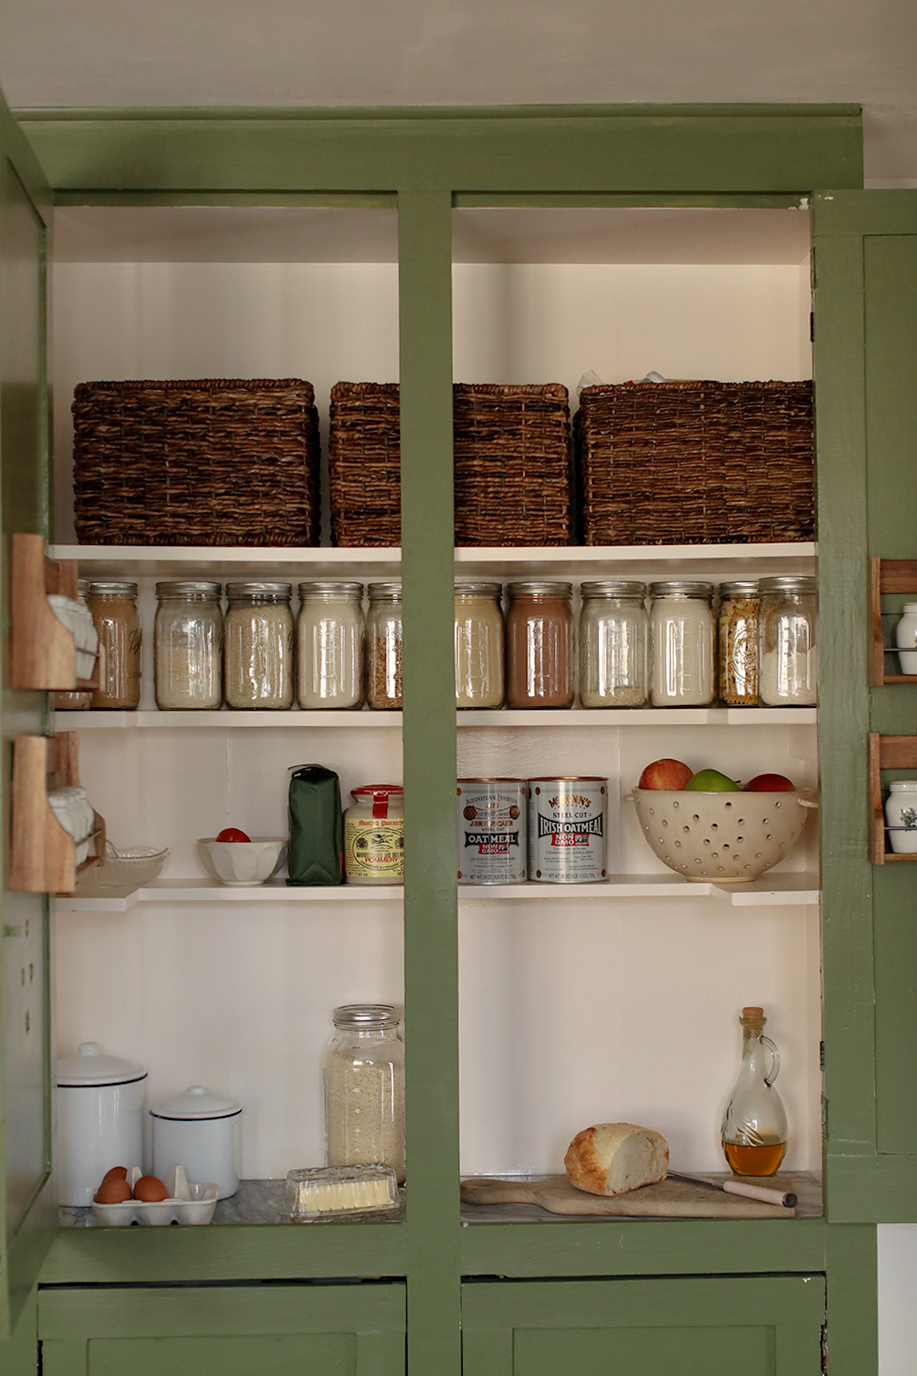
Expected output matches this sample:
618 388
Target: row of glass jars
758 647
257 655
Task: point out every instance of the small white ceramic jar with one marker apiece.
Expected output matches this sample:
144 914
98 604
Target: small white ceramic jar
906 638
99 1120
202 1132
901 816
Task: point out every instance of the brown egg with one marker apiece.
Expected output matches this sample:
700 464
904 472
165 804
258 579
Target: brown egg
150 1189
116 1173
113 1191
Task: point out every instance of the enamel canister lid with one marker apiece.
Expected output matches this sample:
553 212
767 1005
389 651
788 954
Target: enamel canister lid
196 1103
90 1066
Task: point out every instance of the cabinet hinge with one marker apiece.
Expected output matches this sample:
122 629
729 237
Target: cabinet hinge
811 327
821 1055
824 1117
824 1349
812 273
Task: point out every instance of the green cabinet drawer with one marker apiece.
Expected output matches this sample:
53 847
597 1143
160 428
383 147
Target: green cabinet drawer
716 1326
286 1330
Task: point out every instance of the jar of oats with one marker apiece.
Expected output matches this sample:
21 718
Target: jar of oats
188 647
258 646
384 646
114 612
364 1088
613 644
737 644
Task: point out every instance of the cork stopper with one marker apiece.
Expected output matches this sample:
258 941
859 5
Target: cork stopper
753 1021
753 1013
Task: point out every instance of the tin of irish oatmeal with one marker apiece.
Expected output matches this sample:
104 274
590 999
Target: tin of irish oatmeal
491 831
567 832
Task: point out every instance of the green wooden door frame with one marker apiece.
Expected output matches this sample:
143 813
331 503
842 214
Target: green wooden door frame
864 318
28 1220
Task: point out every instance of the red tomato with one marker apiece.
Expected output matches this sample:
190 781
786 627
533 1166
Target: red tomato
232 834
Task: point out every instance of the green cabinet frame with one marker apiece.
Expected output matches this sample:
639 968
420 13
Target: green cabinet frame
426 162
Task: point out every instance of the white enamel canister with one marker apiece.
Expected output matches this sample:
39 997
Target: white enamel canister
202 1132
99 1120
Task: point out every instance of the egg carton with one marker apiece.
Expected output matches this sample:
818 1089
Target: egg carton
187 1203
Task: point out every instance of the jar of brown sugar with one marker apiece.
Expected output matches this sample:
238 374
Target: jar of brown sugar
540 645
117 620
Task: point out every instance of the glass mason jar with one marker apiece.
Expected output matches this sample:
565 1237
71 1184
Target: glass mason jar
787 652
737 643
330 631
188 647
384 646
613 644
364 1088
258 650
478 645
683 632
117 620
540 643
78 700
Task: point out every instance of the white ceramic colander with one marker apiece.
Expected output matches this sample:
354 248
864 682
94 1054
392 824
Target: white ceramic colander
729 838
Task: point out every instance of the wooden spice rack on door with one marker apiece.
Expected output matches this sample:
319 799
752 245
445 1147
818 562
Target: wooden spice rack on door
887 575
42 649
886 752
42 853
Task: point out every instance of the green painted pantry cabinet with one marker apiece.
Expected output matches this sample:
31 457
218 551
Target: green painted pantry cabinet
469 207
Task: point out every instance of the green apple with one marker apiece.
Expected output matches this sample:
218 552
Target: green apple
711 781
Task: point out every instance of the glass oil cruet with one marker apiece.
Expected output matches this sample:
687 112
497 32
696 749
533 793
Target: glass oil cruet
754 1124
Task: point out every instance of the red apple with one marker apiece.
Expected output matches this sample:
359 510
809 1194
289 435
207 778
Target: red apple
770 783
665 774
233 834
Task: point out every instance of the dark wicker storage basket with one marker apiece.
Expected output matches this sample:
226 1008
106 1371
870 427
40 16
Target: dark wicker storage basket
687 462
513 480
208 462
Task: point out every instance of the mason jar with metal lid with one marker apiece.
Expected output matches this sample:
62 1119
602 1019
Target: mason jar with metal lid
330 631
737 644
188 646
113 604
258 649
384 647
478 645
683 632
364 1088
787 653
613 644
540 645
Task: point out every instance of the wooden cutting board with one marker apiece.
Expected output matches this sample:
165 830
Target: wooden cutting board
669 1199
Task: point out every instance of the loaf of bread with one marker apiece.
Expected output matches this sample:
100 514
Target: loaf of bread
612 1158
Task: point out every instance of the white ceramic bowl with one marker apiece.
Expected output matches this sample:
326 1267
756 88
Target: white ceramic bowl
242 863
729 838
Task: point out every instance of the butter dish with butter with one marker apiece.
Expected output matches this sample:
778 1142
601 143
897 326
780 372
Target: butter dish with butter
322 1192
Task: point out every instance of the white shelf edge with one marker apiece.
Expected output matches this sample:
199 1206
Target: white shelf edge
151 719
783 890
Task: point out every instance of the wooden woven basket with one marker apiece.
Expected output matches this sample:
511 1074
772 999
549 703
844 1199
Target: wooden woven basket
687 462
513 478
207 462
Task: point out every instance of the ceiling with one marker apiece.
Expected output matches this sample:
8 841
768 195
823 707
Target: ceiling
270 53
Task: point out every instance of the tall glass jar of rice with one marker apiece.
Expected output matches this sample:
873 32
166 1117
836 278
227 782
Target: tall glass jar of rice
364 1088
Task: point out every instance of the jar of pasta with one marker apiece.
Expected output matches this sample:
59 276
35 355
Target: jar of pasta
188 647
737 644
613 644
330 631
683 633
114 612
364 1088
384 647
258 646
478 645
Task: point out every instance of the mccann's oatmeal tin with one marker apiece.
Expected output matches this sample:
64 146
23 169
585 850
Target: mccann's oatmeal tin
491 831
567 830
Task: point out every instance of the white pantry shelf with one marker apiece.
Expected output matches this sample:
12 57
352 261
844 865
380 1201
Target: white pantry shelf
777 890
152 719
